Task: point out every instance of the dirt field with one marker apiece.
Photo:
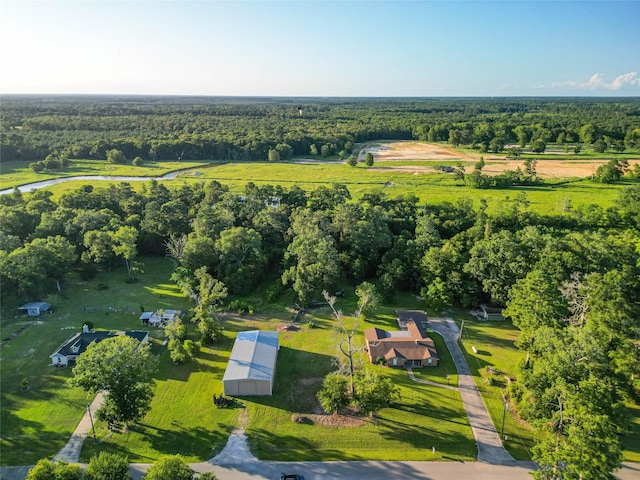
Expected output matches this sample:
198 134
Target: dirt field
405 151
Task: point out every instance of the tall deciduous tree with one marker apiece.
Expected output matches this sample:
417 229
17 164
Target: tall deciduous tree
124 245
122 368
367 300
241 260
311 256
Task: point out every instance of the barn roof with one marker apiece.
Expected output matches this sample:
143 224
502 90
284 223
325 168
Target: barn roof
253 356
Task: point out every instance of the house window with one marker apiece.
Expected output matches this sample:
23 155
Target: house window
395 362
429 361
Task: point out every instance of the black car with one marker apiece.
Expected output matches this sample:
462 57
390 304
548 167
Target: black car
291 476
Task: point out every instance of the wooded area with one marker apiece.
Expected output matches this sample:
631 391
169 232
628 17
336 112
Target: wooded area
219 128
569 280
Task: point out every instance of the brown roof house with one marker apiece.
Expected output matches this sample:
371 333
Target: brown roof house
405 348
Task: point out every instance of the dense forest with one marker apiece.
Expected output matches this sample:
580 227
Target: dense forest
244 129
569 282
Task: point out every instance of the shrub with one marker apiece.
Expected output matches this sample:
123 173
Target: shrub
102 286
137 162
169 468
37 166
108 466
240 307
274 292
333 395
207 476
192 348
47 470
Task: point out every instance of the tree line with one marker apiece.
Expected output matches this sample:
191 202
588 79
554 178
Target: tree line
211 128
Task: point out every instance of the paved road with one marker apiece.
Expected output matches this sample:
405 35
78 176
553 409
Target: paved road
358 470
490 447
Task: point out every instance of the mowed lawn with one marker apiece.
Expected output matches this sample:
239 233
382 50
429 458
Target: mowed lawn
424 417
494 342
37 422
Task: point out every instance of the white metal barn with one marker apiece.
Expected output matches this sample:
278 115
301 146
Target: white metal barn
252 365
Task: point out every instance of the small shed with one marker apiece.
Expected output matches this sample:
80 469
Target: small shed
252 364
160 318
35 309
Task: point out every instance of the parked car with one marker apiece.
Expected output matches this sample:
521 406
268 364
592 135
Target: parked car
291 476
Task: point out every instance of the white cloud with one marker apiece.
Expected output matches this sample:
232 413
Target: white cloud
630 78
570 83
599 82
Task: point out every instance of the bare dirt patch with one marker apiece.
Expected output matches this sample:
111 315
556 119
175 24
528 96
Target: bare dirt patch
288 327
407 151
337 420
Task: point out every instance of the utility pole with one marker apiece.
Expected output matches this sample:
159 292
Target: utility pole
92 426
504 413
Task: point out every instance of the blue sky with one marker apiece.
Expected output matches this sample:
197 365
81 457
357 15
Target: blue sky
321 48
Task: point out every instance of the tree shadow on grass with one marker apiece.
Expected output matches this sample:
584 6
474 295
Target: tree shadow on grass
24 442
205 361
199 442
265 444
457 445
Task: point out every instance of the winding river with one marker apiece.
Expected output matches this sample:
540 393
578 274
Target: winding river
54 181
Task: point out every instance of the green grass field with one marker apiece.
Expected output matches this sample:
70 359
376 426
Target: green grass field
37 422
428 187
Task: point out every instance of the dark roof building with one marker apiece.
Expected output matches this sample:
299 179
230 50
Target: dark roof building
77 343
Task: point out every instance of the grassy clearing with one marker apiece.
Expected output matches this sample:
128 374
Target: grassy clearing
428 187
182 419
423 418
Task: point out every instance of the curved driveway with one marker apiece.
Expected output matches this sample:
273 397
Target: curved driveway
490 447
